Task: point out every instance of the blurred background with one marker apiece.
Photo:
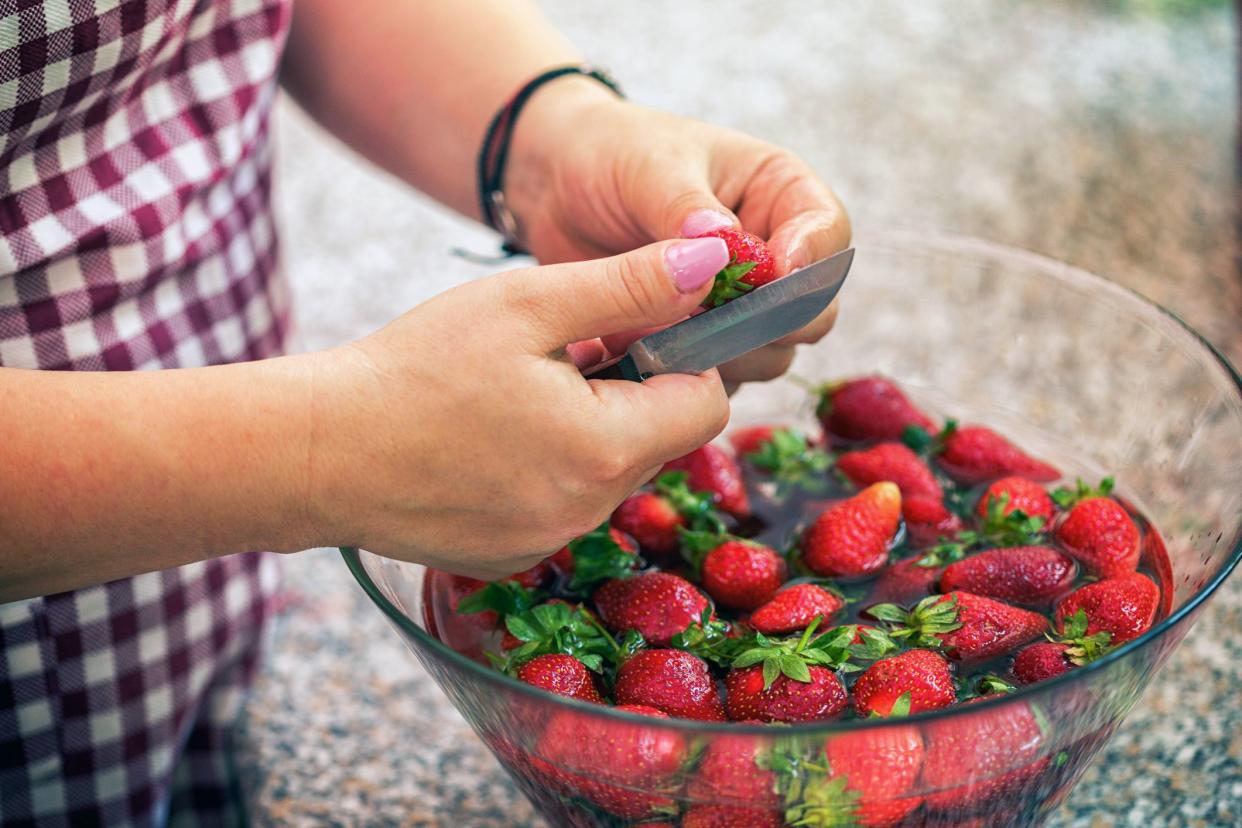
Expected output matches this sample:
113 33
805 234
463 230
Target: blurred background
1102 134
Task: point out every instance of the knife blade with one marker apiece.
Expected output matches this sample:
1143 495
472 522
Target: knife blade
751 321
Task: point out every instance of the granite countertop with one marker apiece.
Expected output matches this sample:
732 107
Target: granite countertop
1098 134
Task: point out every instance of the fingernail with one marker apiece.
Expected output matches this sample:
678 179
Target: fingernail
695 262
704 221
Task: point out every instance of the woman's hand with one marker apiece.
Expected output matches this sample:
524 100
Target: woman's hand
591 175
463 435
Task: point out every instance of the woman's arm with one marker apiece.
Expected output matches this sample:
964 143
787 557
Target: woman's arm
111 474
425 441
412 85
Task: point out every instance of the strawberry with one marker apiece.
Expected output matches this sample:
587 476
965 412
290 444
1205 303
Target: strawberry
974 454
868 408
747 696
786 680
907 581
795 607
852 537
626 768
1032 575
651 520
1101 535
729 773
1042 660
921 677
969 627
672 681
880 768
997 750
929 520
563 675
656 604
712 469
751 439
738 574
728 816
750 266
1123 607
1018 494
893 462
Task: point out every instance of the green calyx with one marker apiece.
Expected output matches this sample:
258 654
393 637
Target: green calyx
502 597
923 442
923 625
986 685
568 629
708 639
817 800
598 558
1067 498
729 284
793 657
790 460
899 710
999 529
1082 648
697 508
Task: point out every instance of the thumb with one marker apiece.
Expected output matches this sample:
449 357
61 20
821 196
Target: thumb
653 286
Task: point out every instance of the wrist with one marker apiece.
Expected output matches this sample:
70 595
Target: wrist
549 126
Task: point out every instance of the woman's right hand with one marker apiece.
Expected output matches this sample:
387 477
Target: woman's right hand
463 435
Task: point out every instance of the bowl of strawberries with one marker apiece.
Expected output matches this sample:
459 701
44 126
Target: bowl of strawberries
919 582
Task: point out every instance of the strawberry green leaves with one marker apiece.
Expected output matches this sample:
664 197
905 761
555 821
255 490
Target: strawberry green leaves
708 639
1083 648
921 441
999 528
790 460
729 284
696 507
502 597
557 628
792 657
922 626
1066 498
597 558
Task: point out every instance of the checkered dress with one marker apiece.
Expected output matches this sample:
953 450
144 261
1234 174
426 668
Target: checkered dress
135 233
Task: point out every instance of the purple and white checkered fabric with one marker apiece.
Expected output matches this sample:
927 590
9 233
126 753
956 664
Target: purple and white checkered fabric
135 232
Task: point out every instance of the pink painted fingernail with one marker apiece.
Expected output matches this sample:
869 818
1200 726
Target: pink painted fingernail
704 221
695 262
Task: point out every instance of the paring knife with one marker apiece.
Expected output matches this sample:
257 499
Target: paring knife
751 321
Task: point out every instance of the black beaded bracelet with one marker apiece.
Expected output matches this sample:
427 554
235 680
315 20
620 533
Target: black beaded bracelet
495 152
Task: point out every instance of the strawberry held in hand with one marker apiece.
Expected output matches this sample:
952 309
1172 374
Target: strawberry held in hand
750 266
852 537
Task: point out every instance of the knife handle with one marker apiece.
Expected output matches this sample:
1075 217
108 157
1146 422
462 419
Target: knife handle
622 368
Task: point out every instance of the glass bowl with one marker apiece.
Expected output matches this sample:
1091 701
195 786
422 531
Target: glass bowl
1067 364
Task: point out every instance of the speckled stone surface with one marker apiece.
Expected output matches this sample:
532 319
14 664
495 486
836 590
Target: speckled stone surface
1103 138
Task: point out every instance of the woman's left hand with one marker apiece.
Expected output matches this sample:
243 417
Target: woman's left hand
591 175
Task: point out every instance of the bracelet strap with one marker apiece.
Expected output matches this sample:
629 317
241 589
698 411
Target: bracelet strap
495 152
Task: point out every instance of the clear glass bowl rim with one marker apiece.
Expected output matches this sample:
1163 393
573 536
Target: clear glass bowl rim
938 242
